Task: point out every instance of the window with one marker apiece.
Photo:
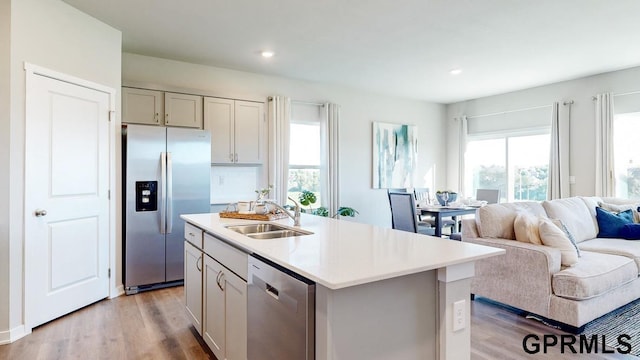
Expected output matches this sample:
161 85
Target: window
304 160
516 164
626 128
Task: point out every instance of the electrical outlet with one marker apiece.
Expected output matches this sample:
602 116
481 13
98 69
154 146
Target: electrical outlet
459 315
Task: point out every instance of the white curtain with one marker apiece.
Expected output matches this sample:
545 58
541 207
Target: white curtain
462 150
554 184
329 168
605 184
279 122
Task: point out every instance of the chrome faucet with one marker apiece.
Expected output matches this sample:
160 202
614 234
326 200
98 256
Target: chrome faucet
295 216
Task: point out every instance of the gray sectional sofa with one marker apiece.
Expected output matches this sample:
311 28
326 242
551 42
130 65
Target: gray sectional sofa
539 278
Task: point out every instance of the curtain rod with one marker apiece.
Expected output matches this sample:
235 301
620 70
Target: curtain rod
621 94
270 98
509 111
306 103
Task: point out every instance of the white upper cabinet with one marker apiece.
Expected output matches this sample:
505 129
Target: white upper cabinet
183 110
218 119
237 130
142 106
151 107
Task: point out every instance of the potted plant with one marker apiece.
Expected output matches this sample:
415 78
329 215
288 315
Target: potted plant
308 198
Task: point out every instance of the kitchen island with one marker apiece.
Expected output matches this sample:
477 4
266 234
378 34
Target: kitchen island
380 293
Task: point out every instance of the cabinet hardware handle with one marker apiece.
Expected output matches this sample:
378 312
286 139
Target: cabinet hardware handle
40 212
219 280
167 118
197 261
191 234
157 117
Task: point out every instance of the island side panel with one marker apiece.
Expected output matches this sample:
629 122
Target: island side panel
387 319
454 283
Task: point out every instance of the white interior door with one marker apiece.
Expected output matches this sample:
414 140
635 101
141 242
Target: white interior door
66 198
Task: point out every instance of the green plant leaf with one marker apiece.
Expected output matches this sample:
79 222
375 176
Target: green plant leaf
322 211
347 211
307 198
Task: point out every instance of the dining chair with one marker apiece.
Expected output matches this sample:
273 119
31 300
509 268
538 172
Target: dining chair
397 190
491 196
403 213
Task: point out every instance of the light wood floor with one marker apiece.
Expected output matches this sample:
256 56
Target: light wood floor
153 325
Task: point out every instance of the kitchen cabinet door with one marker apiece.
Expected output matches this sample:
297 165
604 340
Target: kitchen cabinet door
214 308
218 119
193 262
183 110
140 106
236 316
237 130
249 125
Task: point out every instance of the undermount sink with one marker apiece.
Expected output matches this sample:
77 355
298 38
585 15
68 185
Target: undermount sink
266 231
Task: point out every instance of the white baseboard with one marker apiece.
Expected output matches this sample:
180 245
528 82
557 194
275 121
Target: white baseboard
9 336
118 291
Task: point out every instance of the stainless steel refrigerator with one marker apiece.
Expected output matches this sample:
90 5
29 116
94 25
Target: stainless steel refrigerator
166 172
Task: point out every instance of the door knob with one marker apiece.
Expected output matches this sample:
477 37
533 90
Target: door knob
40 212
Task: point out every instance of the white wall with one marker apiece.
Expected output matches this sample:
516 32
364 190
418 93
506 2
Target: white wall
582 129
5 33
54 35
359 110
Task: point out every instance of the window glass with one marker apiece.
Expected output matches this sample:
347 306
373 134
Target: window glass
529 167
516 165
304 160
626 128
486 166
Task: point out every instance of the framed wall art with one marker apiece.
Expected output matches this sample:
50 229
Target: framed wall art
395 152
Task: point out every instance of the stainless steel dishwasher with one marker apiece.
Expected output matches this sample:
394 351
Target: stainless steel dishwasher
280 313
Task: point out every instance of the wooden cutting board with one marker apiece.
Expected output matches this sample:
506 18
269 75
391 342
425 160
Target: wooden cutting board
263 217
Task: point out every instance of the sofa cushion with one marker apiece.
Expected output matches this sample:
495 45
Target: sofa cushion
610 224
553 236
593 275
496 220
526 228
621 247
576 216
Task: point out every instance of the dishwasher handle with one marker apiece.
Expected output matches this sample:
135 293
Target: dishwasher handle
273 292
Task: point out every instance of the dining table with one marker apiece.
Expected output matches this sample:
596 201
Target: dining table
440 212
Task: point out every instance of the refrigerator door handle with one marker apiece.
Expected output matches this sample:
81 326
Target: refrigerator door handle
163 189
169 194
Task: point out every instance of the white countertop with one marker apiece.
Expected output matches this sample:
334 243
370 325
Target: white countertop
342 253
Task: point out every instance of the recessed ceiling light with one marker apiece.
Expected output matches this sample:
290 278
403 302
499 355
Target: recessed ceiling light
455 71
267 54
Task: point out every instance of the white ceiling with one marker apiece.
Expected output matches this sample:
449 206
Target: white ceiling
398 47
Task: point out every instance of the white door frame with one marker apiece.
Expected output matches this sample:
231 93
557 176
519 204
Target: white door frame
115 287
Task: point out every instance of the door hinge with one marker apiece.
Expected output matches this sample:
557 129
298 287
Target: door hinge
112 115
109 273
108 194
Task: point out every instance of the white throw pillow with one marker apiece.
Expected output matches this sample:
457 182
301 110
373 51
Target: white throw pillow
553 236
575 215
526 228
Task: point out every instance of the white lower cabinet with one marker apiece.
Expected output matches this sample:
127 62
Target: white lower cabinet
225 311
193 262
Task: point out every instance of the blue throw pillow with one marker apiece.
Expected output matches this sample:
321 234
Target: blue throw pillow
611 224
631 232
